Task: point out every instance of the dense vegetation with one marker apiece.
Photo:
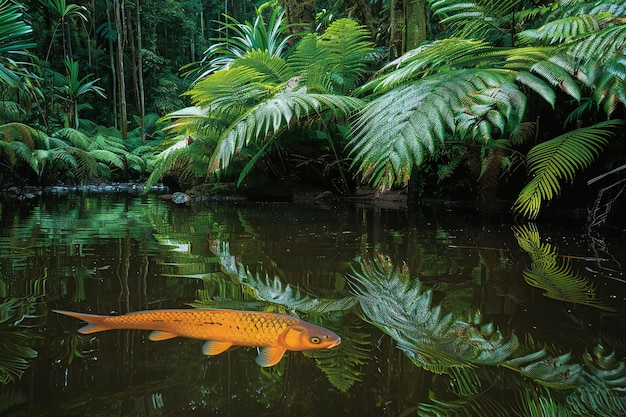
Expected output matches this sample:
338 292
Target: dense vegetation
477 99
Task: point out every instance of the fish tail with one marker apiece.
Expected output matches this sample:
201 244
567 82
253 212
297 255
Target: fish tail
95 322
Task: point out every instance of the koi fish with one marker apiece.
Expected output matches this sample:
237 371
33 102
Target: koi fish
273 333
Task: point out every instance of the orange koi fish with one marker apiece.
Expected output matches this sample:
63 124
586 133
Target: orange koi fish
221 329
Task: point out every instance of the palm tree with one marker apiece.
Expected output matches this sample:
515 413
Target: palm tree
65 12
467 91
259 101
75 88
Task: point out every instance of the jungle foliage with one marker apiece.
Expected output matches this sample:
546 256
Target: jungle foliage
496 88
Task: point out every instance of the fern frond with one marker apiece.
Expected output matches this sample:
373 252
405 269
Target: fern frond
74 137
344 45
343 366
273 67
399 129
108 158
473 19
562 30
233 89
269 117
602 46
447 53
559 159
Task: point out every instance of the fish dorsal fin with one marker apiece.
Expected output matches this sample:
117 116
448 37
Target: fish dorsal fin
212 347
270 356
157 335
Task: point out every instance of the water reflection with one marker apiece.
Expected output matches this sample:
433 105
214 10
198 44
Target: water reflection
440 313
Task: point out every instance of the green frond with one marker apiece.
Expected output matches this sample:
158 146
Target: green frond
553 71
344 46
274 68
235 89
557 160
74 137
473 19
107 157
538 85
11 132
534 404
267 119
548 370
398 130
600 47
440 55
343 366
609 81
562 30
476 405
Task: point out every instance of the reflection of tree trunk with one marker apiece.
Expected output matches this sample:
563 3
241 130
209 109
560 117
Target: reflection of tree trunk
490 178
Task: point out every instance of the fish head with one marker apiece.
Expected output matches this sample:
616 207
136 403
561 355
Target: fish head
307 336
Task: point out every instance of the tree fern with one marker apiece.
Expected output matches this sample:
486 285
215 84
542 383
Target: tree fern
557 160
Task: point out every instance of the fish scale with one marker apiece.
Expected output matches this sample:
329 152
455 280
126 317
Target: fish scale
251 329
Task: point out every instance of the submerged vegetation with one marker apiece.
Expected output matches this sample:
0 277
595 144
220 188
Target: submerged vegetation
481 92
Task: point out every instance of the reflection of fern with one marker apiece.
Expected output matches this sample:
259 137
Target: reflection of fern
15 352
342 366
273 291
431 339
477 405
547 370
547 273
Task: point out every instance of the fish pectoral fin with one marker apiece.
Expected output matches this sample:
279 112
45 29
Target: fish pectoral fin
157 335
270 355
213 347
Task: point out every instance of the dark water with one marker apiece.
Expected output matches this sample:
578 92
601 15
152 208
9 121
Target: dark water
441 312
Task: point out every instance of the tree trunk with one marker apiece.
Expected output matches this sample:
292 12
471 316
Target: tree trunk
397 25
407 25
301 12
142 94
119 27
113 67
415 23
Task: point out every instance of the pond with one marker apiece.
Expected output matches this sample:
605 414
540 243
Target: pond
441 312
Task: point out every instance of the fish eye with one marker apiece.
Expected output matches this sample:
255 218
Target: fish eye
315 340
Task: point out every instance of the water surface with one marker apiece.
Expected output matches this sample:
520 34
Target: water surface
441 312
